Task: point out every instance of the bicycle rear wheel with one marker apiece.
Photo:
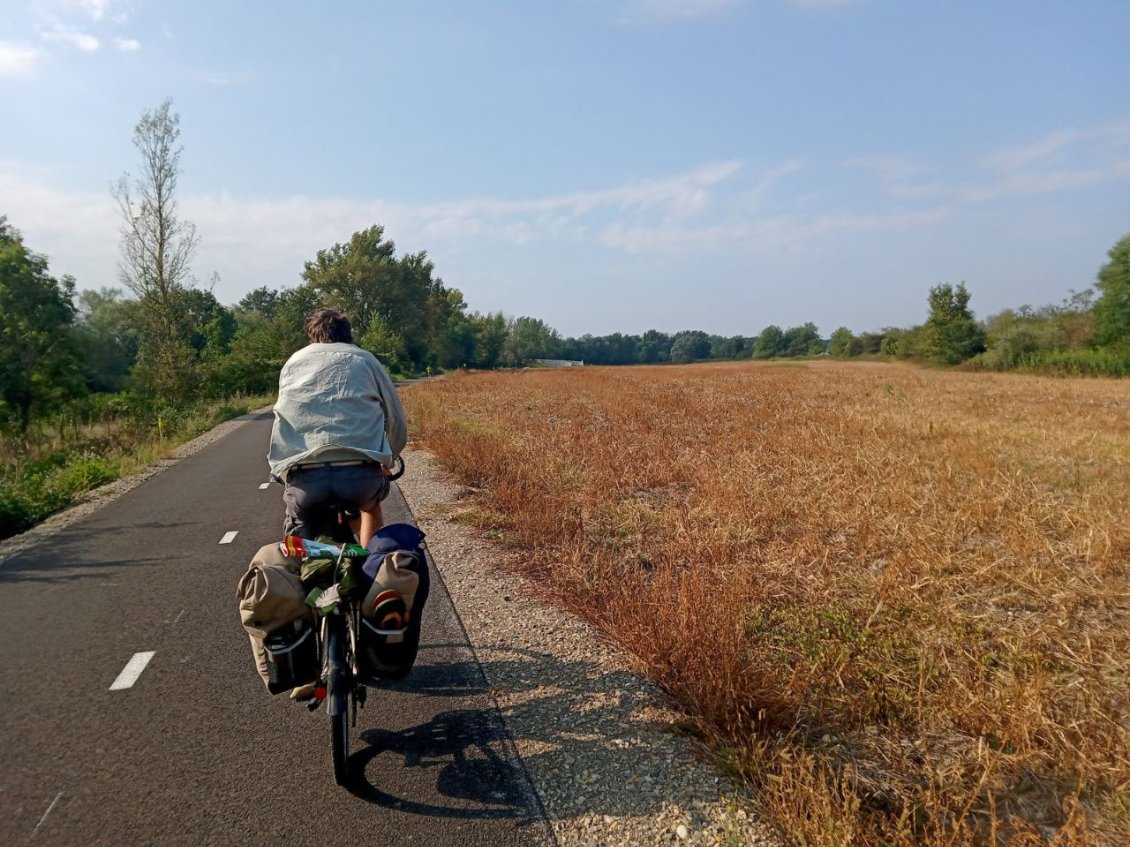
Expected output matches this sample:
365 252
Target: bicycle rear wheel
337 696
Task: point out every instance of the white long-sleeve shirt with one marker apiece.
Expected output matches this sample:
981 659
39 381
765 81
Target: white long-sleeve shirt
336 402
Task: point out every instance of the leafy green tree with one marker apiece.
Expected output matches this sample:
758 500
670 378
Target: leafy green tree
1112 311
803 340
1027 336
38 366
452 340
654 346
614 349
254 358
157 248
742 346
361 277
868 342
619 349
581 349
1010 338
212 325
420 316
733 347
529 338
262 301
108 337
386 344
260 345
690 346
1076 319
911 343
840 344
291 309
490 333
770 343
366 280
951 335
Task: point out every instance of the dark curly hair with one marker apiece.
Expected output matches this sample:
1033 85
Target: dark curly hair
328 326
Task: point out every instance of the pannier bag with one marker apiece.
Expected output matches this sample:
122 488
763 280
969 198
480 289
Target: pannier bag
292 656
272 603
393 607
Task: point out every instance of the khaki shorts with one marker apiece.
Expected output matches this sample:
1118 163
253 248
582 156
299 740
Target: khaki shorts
342 486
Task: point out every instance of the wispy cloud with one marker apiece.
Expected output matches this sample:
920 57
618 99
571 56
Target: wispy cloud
679 194
96 10
1057 147
84 25
83 41
901 179
1064 160
18 59
777 232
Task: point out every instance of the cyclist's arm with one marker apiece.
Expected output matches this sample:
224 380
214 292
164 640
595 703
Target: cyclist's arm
396 424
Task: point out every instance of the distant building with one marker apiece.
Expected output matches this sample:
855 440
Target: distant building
558 363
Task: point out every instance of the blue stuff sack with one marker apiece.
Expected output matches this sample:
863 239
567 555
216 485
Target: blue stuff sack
394 536
384 652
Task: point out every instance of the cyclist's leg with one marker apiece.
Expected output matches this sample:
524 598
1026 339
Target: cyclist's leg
305 489
371 520
367 486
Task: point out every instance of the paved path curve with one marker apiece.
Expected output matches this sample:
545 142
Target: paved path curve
195 751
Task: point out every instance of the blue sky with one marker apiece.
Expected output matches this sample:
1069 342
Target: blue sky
605 166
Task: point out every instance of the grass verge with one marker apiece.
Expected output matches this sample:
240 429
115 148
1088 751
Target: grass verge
47 472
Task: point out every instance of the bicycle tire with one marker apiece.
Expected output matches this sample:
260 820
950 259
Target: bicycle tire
337 698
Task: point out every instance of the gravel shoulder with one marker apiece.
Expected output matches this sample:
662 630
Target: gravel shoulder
601 743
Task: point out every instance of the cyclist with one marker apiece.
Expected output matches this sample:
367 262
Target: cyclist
339 426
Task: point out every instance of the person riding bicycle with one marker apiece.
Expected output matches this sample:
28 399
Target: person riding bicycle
339 427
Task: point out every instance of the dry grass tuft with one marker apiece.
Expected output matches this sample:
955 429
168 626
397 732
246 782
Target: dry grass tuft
897 599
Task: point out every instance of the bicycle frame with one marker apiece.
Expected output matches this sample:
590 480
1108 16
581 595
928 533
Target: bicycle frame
340 686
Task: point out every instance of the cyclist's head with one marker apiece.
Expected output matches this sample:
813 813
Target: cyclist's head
328 326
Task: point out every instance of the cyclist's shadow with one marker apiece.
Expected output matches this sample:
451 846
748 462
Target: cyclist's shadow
479 774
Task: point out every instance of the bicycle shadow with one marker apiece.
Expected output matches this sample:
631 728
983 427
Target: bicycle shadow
475 770
461 763
573 721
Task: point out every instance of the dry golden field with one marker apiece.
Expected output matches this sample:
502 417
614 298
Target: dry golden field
895 600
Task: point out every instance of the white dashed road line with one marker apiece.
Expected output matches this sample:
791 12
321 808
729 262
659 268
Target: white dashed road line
264 485
132 670
229 537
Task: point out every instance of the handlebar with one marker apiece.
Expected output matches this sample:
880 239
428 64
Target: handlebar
399 472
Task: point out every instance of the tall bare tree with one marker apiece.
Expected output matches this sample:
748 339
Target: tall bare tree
157 247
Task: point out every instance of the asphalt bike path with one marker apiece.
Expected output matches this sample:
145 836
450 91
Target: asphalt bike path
102 744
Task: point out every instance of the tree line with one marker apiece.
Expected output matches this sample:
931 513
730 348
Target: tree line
161 341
